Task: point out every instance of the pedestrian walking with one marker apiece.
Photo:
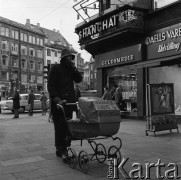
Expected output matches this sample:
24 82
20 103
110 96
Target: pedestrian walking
118 97
31 98
77 92
43 100
61 80
112 91
107 94
16 103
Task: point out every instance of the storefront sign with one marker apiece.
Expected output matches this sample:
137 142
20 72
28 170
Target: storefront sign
164 42
97 27
118 60
120 56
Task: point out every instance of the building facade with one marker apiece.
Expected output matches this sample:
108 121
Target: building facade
134 44
21 57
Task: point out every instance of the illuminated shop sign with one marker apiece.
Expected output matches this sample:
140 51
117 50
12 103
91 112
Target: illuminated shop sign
118 60
97 27
166 41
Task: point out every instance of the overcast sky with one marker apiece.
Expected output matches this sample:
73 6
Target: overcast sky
51 14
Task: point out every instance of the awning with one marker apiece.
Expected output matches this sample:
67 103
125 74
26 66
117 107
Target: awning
156 62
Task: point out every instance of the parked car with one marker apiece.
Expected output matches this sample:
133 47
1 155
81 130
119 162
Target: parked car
24 106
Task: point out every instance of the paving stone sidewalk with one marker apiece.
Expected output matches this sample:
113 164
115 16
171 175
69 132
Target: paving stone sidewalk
27 150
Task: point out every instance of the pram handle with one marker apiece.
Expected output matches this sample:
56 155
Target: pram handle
62 108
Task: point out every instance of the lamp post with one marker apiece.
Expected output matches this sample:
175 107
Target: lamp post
19 53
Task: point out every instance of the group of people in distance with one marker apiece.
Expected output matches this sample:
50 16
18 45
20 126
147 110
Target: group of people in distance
114 94
31 98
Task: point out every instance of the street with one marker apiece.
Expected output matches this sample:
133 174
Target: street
27 150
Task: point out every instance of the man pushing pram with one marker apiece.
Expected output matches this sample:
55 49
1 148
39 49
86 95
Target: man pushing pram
61 87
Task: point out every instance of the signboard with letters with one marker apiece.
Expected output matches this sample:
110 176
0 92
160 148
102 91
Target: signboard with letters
164 42
121 56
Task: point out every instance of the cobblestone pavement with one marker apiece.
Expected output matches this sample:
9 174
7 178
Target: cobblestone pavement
27 150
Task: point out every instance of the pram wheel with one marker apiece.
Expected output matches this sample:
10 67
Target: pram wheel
83 161
72 157
100 153
114 152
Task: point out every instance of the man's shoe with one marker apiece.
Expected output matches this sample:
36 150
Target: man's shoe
64 157
58 154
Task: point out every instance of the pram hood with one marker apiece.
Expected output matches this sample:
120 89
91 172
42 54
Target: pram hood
97 110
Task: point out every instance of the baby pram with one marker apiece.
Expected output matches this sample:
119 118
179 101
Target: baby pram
97 119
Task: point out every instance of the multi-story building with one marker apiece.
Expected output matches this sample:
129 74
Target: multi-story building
93 74
21 57
54 43
134 43
79 63
86 79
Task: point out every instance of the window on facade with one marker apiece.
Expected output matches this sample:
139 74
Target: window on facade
48 62
4 31
15 62
21 36
55 53
105 4
23 50
16 35
4 75
39 53
32 65
4 45
33 40
40 66
48 52
32 78
30 39
23 64
39 79
25 37
4 61
32 52
24 78
91 76
14 47
38 41
91 67
41 42
13 34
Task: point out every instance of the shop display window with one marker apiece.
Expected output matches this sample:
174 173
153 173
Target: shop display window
127 80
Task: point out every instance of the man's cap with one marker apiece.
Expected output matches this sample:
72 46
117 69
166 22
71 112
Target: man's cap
65 53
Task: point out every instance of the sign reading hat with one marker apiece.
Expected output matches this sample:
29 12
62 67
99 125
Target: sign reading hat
65 53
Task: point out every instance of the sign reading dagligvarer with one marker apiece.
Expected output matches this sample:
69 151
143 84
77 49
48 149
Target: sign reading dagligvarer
164 42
